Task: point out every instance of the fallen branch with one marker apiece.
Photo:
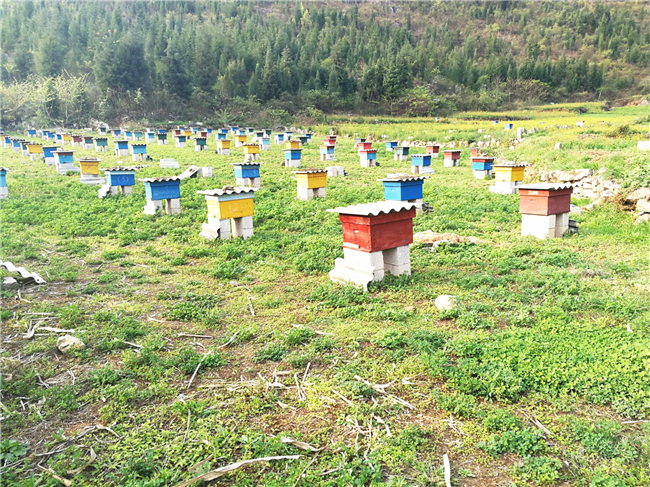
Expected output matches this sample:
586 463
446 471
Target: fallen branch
229 341
197 369
220 472
298 444
250 305
65 482
194 336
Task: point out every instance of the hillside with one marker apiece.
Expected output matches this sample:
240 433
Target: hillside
67 61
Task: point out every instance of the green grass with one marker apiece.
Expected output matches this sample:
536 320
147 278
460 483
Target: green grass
534 380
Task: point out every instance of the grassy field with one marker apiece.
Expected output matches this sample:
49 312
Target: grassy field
541 378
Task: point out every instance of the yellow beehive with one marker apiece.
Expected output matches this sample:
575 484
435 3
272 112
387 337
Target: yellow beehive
292 144
251 149
508 173
312 180
221 210
240 138
66 137
35 148
188 133
223 144
89 166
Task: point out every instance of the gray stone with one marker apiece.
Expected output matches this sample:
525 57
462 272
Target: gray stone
68 342
446 302
639 194
643 206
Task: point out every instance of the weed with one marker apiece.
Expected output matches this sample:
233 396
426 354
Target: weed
273 352
540 470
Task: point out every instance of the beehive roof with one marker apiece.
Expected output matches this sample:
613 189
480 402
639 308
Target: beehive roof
227 190
160 180
374 209
310 171
123 168
546 186
247 163
403 177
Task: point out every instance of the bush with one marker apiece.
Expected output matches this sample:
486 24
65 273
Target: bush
539 470
523 442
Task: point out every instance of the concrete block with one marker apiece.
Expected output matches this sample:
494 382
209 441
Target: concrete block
223 152
152 207
292 163
305 194
4 193
242 227
114 190
561 224
86 179
398 157
348 273
126 189
451 163
319 192
357 258
397 261
482 174
173 206
540 226
335 171
49 161
206 172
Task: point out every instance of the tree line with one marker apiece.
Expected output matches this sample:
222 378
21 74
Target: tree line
179 59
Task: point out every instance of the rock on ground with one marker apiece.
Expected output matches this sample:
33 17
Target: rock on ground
446 302
68 342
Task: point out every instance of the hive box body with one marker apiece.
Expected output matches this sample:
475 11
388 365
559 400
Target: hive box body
364 146
48 151
403 190
452 155
538 202
311 181
64 157
229 206
163 190
508 173
433 149
391 145
292 155
200 141
421 160
121 145
401 151
482 164
120 178
138 149
252 149
375 233
252 171
221 136
292 144
89 167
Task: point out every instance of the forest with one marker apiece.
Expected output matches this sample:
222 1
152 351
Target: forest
71 62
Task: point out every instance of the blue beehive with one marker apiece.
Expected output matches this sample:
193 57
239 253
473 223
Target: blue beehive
495 122
116 132
288 134
268 132
241 131
403 187
369 153
128 134
259 134
326 149
221 135
200 141
279 138
209 130
157 189
101 141
120 176
121 144
3 177
303 139
59 137
507 126
482 163
391 144
292 154
234 129
162 131
161 136
195 130
246 170
421 160
65 157
7 139
31 132
223 131
48 151
139 148
151 136
308 136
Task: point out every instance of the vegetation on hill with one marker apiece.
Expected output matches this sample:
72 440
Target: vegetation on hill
68 61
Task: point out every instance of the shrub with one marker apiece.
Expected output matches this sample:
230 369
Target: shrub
540 470
523 442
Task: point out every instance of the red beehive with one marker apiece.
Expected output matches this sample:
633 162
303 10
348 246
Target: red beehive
364 146
374 227
433 149
545 199
330 140
452 154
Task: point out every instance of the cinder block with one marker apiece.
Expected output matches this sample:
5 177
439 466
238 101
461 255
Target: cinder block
126 189
347 273
561 224
451 163
399 157
305 194
540 226
114 190
206 172
357 258
4 193
319 192
242 227
482 174
152 207
291 163
397 257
